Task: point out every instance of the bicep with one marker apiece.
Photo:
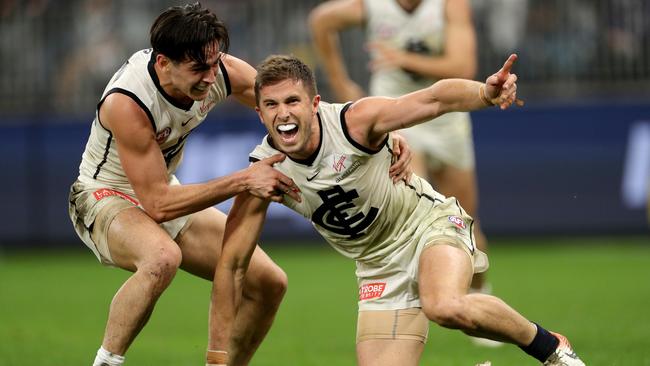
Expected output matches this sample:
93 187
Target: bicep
380 115
139 153
242 80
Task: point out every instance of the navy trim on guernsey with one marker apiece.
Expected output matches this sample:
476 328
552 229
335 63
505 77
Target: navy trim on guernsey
432 199
152 72
135 98
105 158
110 133
226 79
344 127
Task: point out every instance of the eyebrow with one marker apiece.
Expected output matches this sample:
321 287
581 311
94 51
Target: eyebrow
204 65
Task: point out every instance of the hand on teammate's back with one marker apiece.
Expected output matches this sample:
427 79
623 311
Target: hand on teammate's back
265 182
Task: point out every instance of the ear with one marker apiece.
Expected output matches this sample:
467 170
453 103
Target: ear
259 114
315 103
163 61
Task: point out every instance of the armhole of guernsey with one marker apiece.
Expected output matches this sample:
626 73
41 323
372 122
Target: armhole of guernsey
135 98
226 79
110 133
346 133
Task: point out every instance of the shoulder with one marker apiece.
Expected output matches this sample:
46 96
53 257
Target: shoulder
240 73
264 150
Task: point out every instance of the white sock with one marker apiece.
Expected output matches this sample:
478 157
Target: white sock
106 358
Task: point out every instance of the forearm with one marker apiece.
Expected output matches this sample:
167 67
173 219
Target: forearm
440 67
168 202
327 45
243 227
224 301
458 95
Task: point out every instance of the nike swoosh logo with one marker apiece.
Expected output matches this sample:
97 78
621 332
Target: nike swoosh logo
186 122
309 179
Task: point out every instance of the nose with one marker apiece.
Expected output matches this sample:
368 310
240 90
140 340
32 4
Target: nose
210 75
283 112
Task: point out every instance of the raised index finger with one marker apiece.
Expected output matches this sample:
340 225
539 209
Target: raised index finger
507 66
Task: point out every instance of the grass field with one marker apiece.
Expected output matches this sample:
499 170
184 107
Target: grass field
596 291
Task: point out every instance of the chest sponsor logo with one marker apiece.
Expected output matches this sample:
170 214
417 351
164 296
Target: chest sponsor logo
339 162
334 213
457 221
163 135
105 192
371 290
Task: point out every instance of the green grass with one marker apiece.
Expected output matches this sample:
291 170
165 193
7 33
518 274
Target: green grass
596 291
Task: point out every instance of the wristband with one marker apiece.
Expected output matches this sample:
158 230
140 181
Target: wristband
483 97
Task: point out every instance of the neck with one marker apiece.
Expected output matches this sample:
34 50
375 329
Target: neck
313 142
409 5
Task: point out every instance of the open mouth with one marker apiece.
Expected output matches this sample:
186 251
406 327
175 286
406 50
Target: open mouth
200 88
287 131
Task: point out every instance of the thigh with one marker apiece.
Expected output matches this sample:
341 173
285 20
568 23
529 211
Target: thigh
201 242
134 238
444 271
384 352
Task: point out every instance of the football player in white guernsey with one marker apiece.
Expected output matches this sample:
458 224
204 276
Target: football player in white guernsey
414 248
127 205
413 43
130 210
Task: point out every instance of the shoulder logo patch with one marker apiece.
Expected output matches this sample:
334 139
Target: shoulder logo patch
457 221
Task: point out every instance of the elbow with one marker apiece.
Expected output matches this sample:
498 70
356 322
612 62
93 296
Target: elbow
315 20
155 212
319 22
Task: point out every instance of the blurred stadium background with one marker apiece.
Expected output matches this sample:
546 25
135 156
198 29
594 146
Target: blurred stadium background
574 160
574 163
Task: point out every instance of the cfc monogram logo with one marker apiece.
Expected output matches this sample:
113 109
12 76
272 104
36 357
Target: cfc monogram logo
332 215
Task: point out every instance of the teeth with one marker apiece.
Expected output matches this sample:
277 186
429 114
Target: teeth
285 128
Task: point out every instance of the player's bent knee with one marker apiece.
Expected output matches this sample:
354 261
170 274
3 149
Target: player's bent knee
446 313
276 285
162 265
406 324
269 288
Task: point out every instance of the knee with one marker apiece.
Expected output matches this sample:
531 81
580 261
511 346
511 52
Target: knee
160 267
269 289
448 313
276 286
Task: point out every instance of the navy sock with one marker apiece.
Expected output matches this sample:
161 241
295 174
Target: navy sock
542 345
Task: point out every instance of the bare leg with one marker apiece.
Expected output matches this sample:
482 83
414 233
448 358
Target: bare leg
263 290
461 184
137 244
389 352
444 277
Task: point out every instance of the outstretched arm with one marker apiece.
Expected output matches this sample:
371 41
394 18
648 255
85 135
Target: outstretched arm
370 119
243 227
326 21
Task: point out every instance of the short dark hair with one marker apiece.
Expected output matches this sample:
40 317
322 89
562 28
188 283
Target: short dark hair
186 32
277 68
